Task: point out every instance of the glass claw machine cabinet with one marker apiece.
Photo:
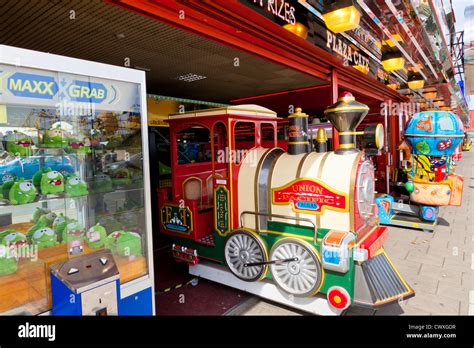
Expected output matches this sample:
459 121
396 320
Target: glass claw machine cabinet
73 177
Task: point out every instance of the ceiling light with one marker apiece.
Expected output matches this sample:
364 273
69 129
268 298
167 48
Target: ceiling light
341 15
190 77
390 43
430 93
361 68
298 29
415 81
438 102
392 61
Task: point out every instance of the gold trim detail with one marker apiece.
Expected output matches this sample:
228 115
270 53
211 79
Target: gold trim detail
228 211
346 108
346 146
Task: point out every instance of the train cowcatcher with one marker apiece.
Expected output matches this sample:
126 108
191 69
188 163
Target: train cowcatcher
297 227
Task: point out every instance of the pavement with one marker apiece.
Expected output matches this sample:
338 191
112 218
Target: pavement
438 265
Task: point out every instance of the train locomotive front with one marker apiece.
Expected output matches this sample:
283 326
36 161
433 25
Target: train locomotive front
302 221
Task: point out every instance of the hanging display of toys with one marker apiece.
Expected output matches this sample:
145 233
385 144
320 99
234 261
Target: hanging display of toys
19 144
433 137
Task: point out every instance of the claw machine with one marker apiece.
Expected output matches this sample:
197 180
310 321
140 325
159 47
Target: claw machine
73 177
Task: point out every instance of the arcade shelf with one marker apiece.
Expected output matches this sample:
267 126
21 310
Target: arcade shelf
72 177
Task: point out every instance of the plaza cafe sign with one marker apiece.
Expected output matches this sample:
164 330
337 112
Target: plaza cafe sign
335 44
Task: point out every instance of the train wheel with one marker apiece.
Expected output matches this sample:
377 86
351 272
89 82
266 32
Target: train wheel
302 277
244 247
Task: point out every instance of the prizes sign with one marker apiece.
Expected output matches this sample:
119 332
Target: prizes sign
310 196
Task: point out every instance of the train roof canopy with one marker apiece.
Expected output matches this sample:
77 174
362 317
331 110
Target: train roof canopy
242 110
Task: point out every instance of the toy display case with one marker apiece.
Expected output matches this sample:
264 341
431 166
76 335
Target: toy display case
73 180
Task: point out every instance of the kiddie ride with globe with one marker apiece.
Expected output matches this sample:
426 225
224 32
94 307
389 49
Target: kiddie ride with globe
298 227
432 137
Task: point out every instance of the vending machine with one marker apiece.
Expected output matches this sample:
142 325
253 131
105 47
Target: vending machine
73 178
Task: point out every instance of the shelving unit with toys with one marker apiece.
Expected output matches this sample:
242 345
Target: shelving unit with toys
72 176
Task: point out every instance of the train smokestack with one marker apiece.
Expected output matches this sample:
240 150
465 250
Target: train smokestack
345 116
298 133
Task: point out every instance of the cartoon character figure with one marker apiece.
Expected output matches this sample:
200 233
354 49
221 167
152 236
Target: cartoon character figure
121 177
102 183
75 187
19 144
52 182
45 220
55 138
72 232
111 223
22 192
16 240
96 236
78 146
59 224
124 243
8 261
37 177
44 238
39 212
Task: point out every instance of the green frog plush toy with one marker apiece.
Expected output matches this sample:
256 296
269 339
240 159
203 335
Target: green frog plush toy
96 236
72 232
110 222
8 261
75 186
44 238
7 182
39 212
77 146
19 144
121 177
16 240
45 220
59 225
37 178
52 182
22 192
55 138
102 183
124 243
